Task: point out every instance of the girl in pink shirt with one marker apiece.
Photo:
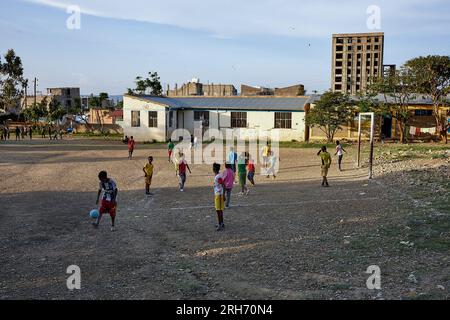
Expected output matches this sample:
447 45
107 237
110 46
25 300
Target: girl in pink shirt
228 181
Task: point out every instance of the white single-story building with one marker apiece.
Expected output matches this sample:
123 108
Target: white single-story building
149 118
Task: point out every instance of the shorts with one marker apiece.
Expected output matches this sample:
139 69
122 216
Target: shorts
251 175
170 153
108 207
242 178
324 171
219 202
148 180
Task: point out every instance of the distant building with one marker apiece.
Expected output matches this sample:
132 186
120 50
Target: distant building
291 91
105 116
357 60
196 88
67 97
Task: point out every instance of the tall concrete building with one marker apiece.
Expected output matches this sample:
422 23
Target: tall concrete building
357 61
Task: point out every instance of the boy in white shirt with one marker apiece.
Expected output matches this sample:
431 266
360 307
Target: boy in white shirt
219 199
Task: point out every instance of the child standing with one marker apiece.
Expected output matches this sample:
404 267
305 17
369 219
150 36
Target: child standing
340 153
131 144
181 171
108 187
242 172
148 171
272 162
170 147
219 200
251 171
228 182
326 163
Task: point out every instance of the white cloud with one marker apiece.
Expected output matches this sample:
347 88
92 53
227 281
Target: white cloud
294 18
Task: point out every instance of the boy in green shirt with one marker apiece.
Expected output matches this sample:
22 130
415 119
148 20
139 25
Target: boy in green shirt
242 173
170 147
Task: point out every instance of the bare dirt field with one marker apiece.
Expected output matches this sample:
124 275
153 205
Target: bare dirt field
288 239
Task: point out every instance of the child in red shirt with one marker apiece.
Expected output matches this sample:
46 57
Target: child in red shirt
131 144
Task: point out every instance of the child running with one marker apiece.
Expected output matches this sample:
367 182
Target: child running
181 171
242 172
326 163
228 182
108 187
340 153
131 144
219 200
148 171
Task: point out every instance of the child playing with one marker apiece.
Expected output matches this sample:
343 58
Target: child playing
251 171
148 171
181 171
108 187
272 162
219 200
326 163
242 172
228 181
131 144
170 147
340 152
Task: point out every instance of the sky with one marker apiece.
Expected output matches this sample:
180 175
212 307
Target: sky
262 43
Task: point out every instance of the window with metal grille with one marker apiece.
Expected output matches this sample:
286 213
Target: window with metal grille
152 119
283 120
135 118
202 116
239 119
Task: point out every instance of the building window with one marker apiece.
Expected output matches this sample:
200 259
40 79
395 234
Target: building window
339 48
239 119
339 56
338 87
338 63
283 120
340 40
202 116
153 119
135 118
423 113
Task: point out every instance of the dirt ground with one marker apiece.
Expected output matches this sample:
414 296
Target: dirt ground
288 239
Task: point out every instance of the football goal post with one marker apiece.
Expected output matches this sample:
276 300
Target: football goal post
372 131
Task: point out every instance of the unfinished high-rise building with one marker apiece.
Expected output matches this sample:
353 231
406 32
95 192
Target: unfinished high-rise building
357 61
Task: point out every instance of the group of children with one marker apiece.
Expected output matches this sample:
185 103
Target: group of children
223 182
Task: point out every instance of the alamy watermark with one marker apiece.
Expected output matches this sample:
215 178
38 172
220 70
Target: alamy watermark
73 22
74 280
374 20
374 280
221 146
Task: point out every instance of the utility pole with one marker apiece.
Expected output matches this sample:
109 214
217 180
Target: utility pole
35 85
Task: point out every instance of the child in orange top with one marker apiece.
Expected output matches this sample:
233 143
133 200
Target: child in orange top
131 144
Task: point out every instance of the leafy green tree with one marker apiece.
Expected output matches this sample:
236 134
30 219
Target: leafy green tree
36 111
431 76
55 110
11 81
150 85
398 92
331 112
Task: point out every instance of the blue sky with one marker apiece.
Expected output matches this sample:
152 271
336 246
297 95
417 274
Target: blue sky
266 42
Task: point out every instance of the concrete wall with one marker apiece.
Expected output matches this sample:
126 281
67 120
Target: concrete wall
144 133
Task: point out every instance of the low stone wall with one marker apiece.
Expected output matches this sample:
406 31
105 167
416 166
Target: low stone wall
97 128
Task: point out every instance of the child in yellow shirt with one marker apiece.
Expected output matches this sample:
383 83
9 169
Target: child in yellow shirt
148 171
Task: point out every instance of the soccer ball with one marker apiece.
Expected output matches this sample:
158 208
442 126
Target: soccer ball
94 214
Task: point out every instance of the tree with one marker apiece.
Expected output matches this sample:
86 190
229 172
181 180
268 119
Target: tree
330 112
55 110
397 90
432 77
36 111
151 85
11 82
